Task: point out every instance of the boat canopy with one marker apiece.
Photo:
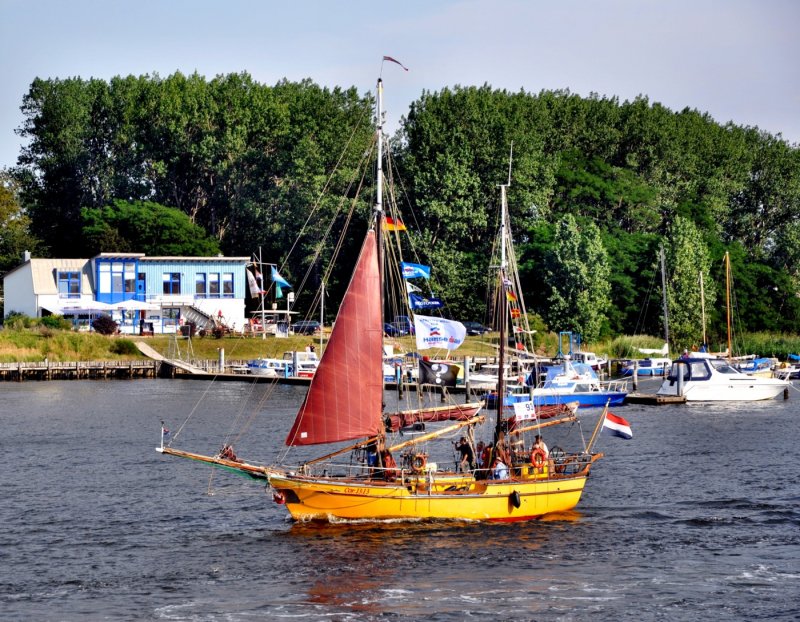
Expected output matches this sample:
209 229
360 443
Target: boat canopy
581 369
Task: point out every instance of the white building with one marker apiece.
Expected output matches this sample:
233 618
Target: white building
157 294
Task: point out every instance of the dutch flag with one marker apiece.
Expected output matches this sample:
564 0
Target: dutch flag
618 426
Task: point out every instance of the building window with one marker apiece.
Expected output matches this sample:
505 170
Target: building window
227 285
213 285
130 278
171 316
200 285
116 278
104 285
172 282
69 284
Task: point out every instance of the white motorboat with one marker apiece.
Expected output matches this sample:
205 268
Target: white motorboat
707 380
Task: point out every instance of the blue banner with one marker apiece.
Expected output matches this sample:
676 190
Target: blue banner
415 270
278 279
420 302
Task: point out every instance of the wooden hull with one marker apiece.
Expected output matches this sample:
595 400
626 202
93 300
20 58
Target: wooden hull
451 497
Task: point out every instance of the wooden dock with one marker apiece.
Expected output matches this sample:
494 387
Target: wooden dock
653 399
93 370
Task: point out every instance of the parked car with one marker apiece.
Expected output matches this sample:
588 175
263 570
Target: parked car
475 328
393 330
305 327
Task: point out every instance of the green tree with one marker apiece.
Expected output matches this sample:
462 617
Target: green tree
687 258
144 227
577 271
15 235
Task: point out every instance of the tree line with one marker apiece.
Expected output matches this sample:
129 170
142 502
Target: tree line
597 187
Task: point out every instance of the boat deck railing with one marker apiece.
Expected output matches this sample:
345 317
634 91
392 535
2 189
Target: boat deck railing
615 385
443 475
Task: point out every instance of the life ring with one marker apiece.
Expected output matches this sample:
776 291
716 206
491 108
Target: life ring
418 462
538 457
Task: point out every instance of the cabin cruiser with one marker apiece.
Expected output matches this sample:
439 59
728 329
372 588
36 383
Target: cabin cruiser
709 380
307 363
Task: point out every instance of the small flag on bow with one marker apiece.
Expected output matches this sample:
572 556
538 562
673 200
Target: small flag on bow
618 426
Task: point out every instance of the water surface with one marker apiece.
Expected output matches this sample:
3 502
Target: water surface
696 518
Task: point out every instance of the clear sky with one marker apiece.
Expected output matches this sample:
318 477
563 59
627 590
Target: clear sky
738 60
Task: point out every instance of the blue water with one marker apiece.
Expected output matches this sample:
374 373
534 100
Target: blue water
696 518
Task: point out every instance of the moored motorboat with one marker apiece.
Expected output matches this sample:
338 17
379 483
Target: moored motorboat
708 380
658 366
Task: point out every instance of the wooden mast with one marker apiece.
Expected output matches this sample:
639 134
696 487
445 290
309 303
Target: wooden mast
501 388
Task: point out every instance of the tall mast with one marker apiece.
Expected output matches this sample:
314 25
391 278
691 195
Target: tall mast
379 189
378 138
703 307
664 295
728 298
503 314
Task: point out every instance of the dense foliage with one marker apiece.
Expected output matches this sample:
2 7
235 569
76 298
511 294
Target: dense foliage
261 166
143 227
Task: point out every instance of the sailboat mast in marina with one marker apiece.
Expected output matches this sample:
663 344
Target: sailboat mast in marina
371 471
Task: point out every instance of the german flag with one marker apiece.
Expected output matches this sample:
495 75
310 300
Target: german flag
393 224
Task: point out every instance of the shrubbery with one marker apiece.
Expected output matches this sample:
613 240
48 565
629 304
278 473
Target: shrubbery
56 322
17 320
104 325
124 346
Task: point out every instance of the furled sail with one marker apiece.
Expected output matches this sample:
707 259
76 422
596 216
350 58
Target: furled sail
345 397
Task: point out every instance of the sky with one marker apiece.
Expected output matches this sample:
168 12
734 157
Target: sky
738 60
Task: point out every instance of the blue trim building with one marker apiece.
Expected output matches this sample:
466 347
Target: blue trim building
154 293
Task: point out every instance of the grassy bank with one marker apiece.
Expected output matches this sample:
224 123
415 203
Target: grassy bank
38 342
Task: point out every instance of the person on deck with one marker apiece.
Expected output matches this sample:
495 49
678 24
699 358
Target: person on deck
389 465
501 459
467 459
540 444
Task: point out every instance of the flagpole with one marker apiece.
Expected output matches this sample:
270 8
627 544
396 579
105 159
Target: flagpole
263 311
599 425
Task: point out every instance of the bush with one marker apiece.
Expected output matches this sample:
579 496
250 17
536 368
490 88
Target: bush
56 322
16 320
105 325
124 346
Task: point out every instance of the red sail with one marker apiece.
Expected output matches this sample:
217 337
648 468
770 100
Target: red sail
345 397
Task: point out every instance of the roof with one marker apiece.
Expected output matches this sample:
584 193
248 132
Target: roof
146 258
44 273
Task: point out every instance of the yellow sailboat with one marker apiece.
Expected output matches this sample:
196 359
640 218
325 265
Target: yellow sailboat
380 475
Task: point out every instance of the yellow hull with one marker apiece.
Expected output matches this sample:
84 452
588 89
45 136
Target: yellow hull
453 497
